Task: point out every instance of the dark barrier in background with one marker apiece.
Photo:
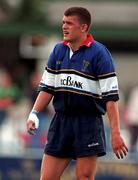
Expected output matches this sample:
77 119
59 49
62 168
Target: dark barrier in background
29 169
19 169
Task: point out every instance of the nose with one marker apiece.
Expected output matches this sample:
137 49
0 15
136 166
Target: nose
64 26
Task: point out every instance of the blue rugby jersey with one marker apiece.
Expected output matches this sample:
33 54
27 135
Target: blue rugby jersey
83 81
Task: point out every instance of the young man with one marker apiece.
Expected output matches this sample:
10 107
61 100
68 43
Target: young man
81 78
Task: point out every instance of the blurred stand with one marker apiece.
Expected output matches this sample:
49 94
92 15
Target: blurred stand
17 98
9 94
37 46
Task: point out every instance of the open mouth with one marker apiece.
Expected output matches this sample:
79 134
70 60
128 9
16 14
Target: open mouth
65 33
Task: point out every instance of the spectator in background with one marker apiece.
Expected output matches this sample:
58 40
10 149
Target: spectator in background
9 94
132 118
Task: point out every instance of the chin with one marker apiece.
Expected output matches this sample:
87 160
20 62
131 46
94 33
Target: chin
66 39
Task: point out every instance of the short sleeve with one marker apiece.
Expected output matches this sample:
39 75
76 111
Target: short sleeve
47 82
106 75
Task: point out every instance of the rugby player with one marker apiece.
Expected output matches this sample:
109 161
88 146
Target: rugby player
80 77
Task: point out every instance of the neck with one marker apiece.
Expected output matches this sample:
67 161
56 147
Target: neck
76 44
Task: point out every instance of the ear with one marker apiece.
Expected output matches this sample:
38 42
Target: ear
84 27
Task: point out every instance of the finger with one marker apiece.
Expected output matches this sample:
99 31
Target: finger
117 154
120 153
31 132
31 126
125 150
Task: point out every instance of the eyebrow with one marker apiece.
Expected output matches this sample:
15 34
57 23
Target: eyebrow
68 22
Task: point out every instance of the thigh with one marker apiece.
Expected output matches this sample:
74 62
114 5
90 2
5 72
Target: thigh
53 167
86 167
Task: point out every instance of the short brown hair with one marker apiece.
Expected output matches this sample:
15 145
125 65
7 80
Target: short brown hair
82 13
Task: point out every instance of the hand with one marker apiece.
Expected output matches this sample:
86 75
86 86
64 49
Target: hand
32 122
31 127
119 146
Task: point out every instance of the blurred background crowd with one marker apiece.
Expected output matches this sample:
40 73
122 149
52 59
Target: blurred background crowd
29 30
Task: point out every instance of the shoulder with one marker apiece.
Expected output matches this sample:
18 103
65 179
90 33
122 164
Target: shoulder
98 46
58 52
59 46
101 50
98 49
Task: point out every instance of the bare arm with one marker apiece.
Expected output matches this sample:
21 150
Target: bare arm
118 145
42 101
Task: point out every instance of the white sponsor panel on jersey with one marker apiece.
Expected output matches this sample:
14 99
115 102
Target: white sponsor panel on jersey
78 82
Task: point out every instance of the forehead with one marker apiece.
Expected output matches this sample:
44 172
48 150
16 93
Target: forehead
71 18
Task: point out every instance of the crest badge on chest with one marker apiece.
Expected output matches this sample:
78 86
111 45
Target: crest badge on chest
85 65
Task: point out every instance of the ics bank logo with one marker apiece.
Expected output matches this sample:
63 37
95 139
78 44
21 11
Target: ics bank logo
72 83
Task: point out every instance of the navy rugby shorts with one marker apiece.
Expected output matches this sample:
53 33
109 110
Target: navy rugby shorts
74 136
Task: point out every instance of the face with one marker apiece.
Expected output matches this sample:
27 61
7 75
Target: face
72 29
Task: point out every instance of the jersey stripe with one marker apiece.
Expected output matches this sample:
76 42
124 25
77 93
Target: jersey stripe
71 71
77 83
78 92
104 76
